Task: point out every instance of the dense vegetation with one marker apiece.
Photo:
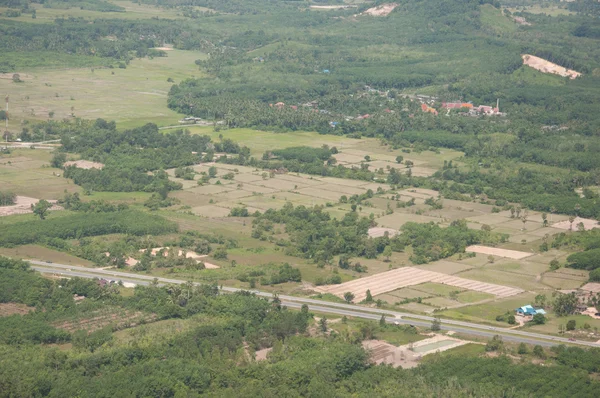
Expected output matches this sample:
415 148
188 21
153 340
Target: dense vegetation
214 356
129 155
7 198
80 225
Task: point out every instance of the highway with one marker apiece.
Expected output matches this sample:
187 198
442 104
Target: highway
324 306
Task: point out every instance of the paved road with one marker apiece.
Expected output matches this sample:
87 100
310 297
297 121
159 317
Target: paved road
324 306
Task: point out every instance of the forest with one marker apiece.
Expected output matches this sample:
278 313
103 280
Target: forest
129 155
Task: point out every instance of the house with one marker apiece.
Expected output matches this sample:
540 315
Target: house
528 310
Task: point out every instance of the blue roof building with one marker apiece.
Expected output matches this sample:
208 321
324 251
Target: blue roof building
529 310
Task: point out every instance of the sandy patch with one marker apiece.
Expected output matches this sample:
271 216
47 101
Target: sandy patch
210 265
591 287
514 254
261 355
188 254
84 164
23 206
587 223
548 67
377 232
591 312
409 276
381 11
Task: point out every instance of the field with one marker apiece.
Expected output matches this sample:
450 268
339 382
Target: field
132 11
408 276
8 309
132 96
95 320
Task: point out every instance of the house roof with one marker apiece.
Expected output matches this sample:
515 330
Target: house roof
528 309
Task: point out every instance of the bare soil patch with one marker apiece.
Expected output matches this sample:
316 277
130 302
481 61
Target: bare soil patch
381 11
7 309
377 232
587 223
548 67
514 254
23 206
97 320
591 287
409 276
84 164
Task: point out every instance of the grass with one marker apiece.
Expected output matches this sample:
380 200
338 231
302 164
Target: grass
486 313
261 141
35 252
466 350
496 20
132 96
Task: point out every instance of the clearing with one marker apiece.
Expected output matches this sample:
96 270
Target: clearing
548 67
587 224
514 254
84 164
7 309
381 11
23 206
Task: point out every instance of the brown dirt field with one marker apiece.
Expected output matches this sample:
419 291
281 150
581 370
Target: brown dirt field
96 320
409 276
84 164
377 232
23 206
516 255
548 67
566 225
7 309
591 287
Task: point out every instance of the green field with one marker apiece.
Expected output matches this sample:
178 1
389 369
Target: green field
132 96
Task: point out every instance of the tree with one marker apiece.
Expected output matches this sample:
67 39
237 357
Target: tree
571 325
522 350
399 159
212 171
58 159
220 254
565 304
369 298
495 344
511 319
571 220
436 324
387 253
348 296
304 309
540 300
382 322
545 219
41 208
554 265
539 352
561 328
323 324
538 319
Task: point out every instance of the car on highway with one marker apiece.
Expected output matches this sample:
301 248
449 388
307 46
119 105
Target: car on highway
49 262
572 339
